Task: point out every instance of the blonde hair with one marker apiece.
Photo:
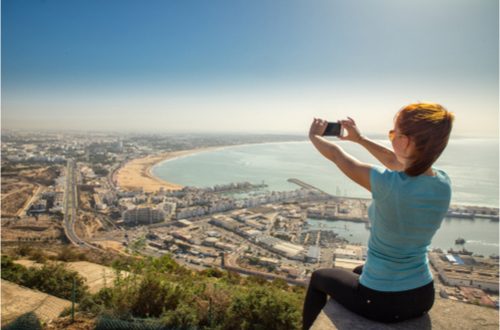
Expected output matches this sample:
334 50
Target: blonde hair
429 126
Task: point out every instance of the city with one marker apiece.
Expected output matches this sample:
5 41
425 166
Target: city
66 188
249 165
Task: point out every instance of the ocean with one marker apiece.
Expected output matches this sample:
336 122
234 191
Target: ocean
471 164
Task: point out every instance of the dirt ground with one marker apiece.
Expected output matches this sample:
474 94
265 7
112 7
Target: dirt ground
17 300
81 322
52 250
111 245
15 198
20 183
88 224
31 228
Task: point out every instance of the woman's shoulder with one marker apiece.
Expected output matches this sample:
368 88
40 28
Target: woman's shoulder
441 175
439 183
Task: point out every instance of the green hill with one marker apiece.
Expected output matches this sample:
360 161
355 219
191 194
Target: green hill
173 296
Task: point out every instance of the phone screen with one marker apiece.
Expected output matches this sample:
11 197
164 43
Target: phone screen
332 129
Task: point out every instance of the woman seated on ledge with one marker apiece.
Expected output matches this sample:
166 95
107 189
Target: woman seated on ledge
410 200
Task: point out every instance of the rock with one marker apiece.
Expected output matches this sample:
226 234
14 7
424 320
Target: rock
445 314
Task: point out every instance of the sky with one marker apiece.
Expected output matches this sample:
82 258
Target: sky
249 66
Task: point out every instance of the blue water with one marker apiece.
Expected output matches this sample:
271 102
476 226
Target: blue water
472 165
481 235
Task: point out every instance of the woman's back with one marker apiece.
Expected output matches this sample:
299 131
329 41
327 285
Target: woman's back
405 214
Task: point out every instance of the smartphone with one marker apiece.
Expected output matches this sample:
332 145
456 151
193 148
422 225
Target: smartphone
333 129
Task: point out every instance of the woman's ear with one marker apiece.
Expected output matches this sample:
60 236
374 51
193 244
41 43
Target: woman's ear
408 145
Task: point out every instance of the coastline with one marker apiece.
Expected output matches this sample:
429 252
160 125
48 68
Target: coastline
169 182
137 173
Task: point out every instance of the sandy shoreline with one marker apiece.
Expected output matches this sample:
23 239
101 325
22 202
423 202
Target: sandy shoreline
137 173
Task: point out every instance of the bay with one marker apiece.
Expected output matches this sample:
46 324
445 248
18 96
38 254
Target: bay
471 164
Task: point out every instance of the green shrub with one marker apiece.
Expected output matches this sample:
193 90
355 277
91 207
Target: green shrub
53 279
212 272
56 280
38 256
68 254
252 279
98 302
233 278
180 298
261 309
154 295
12 271
183 317
280 283
24 250
213 302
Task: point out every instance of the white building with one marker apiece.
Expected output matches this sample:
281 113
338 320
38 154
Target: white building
143 215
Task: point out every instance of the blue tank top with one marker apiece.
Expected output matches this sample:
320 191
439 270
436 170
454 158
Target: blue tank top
405 214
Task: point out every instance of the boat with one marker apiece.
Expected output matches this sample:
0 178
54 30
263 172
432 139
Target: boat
460 214
462 252
460 241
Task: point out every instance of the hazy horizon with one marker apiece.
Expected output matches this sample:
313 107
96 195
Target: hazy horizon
246 67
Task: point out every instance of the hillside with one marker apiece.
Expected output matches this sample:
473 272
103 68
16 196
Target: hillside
165 292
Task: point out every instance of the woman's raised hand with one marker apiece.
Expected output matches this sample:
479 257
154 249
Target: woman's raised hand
318 127
353 133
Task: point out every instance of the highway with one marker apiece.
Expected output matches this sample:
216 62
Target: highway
71 207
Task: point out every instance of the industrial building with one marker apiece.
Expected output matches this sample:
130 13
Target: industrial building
313 254
281 247
473 272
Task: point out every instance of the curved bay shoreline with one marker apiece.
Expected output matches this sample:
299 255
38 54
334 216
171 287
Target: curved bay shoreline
137 173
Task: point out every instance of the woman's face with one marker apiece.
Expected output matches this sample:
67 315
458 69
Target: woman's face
401 144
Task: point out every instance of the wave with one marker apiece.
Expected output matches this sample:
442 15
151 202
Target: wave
482 243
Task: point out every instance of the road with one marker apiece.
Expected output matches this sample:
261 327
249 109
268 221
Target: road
22 211
111 177
71 207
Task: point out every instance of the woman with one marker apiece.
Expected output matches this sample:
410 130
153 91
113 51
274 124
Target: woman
410 200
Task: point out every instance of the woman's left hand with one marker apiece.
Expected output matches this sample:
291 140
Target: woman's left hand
318 127
353 133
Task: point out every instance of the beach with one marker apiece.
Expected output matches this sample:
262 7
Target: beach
136 174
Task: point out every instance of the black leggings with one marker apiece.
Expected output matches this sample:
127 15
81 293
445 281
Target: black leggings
344 287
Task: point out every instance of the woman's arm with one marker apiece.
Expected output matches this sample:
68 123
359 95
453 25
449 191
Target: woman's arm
357 171
385 155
